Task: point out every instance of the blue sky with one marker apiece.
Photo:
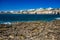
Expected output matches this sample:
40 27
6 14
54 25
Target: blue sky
28 4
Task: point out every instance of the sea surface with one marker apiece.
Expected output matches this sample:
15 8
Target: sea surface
27 17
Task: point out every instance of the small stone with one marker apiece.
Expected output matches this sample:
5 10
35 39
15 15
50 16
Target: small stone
11 36
1 38
35 30
22 37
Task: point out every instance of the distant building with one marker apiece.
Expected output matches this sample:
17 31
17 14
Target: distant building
31 11
11 11
49 8
5 11
35 11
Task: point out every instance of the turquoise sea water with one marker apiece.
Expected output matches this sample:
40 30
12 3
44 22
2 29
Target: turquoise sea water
27 17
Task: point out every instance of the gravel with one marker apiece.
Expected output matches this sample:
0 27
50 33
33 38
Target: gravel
38 30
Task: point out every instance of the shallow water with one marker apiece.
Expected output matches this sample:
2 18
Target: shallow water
27 17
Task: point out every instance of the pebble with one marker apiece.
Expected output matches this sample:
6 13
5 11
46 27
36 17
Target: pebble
32 31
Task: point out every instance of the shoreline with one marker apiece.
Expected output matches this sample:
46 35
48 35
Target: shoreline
31 30
27 21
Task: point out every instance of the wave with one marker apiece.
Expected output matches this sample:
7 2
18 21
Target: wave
58 18
5 22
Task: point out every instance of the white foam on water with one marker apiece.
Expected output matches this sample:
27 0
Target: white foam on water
5 22
58 18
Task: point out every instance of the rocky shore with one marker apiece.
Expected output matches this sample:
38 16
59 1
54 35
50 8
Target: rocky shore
31 31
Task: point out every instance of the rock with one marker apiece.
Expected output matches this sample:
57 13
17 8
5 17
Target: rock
32 31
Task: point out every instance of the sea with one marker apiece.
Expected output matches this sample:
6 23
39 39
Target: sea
7 18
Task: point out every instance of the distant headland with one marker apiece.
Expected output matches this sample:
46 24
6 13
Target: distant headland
34 11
